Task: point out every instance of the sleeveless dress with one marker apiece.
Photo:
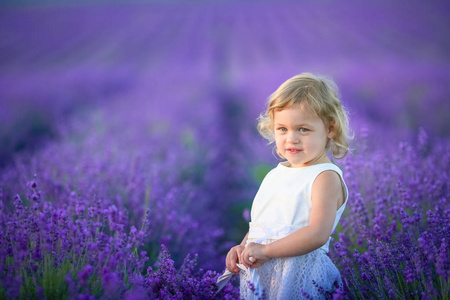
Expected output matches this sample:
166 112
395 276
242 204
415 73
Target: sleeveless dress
281 206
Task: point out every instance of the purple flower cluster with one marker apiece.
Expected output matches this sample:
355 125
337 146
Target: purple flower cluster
82 252
168 283
393 242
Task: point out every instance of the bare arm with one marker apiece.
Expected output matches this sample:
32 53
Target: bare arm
326 195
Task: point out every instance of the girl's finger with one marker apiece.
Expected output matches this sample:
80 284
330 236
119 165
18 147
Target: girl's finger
228 260
235 267
241 257
246 259
242 260
229 263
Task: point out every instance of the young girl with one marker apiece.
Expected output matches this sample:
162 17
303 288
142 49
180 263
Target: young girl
299 203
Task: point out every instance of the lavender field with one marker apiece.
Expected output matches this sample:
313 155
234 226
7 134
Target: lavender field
130 157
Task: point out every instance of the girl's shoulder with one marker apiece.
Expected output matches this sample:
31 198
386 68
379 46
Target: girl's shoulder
329 166
330 179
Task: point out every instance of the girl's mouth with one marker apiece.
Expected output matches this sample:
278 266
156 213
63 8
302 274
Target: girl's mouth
293 150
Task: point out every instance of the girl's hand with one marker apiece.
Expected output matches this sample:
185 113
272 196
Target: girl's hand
257 253
233 258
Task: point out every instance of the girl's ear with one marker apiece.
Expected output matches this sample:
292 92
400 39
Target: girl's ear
330 130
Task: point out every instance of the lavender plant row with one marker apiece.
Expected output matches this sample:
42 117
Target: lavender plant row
98 213
83 253
393 240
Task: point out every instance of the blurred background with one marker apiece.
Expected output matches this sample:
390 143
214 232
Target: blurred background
59 60
138 101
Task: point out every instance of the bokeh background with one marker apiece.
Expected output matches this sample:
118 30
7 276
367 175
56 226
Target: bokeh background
143 115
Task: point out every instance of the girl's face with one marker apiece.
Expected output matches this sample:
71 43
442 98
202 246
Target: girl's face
301 136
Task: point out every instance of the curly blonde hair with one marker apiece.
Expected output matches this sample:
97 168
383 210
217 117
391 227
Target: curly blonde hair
318 94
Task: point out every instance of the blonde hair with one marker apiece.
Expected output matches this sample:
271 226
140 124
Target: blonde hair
317 93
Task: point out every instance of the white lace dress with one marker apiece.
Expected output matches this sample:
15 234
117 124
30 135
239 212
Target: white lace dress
281 206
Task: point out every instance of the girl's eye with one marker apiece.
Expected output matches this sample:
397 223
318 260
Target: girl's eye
303 129
282 129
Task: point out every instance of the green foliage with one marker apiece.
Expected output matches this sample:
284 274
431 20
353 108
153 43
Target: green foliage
240 225
260 171
28 290
188 139
53 279
96 285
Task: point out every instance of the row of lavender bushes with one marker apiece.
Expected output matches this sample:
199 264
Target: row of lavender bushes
392 242
80 252
98 212
91 223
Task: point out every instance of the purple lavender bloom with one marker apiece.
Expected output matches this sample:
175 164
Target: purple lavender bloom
85 274
111 283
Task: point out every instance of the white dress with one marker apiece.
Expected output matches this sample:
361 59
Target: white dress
281 206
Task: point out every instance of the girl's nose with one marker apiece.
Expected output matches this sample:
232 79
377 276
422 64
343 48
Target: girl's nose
292 137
